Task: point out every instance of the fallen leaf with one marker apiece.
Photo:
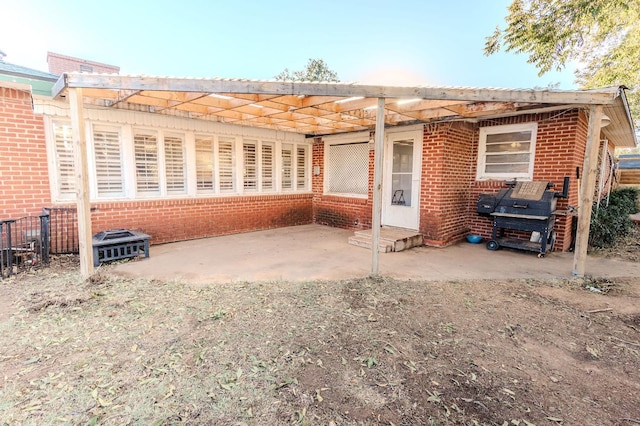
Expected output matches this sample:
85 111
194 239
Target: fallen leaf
593 352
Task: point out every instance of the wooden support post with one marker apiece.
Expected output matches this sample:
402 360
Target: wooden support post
376 214
83 204
603 166
587 189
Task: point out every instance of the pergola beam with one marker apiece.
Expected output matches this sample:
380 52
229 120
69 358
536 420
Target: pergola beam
256 87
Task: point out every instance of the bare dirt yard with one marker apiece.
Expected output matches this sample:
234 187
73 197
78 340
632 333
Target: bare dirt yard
119 351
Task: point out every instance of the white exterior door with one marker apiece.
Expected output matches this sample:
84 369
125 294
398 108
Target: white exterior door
401 186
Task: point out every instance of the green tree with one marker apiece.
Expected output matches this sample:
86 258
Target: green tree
316 70
602 36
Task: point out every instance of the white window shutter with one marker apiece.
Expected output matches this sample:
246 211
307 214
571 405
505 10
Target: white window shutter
301 168
146 158
226 164
64 159
175 165
205 182
250 165
108 162
267 166
287 167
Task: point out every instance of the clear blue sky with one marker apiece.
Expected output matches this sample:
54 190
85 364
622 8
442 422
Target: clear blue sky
393 42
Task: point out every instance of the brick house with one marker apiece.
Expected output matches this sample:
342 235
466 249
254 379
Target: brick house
24 174
191 158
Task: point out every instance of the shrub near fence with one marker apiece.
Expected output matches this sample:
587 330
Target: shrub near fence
610 218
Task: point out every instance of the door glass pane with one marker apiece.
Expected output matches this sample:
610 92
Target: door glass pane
402 173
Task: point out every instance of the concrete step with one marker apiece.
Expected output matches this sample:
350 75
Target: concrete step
383 247
391 239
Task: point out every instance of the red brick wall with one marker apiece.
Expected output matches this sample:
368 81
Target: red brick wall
24 179
177 220
561 139
340 212
447 158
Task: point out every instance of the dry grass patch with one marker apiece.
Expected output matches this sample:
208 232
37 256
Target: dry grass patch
132 351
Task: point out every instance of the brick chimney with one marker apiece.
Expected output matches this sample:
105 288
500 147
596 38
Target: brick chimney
59 64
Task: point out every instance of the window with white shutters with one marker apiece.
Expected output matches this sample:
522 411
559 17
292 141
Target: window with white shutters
267 166
64 160
205 179
287 167
175 165
226 164
132 162
108 161
301 168
146 161
250 165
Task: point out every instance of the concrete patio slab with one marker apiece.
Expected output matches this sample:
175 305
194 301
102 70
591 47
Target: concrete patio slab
316 252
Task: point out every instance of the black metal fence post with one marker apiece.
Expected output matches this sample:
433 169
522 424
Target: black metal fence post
2 252
45 246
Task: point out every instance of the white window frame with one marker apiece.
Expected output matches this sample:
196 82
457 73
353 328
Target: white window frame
360 137
508 128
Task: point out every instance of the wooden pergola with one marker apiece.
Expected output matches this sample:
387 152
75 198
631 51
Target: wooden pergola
322 108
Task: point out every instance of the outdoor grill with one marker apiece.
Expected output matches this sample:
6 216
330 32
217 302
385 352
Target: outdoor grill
119 244
523 206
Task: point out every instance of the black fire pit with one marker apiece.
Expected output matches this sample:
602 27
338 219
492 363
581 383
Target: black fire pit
119 244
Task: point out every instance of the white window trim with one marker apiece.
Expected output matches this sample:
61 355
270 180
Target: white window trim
507 128
127 132
359 137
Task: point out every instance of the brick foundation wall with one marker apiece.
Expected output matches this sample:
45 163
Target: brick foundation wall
177 220
24 179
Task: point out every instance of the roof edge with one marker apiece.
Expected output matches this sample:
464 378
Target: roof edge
604 96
